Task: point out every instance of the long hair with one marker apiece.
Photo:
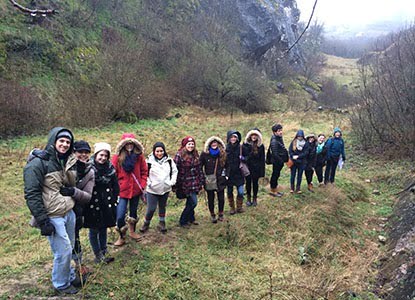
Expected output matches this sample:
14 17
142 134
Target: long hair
186 155
123 154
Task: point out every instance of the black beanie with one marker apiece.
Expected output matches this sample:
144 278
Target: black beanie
64 134
81 146
276 127
159 144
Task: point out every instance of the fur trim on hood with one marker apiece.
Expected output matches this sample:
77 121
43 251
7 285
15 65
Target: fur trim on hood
129 139
250 133
211 139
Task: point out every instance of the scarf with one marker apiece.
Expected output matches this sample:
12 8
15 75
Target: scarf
81 169
103 173
320 147
129 162
214 152
300 145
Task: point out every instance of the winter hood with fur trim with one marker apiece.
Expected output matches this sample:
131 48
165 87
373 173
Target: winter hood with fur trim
129 138
214 138
249 135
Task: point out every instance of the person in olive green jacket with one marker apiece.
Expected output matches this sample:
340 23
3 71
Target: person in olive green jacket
49 188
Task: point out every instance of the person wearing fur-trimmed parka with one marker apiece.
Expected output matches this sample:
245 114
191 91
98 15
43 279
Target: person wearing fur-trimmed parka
298 151
235 153
256 164
311 160
162 175
190 179
213 159
101 212
132 172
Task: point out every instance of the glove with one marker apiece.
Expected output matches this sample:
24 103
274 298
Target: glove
47 228
67 191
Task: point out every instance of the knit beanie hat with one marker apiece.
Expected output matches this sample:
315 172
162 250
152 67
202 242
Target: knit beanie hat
337 129
81 146
98 147
161 145
128 135
186 140
276 127
64 134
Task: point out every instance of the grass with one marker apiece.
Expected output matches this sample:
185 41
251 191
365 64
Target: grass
310 246
343 70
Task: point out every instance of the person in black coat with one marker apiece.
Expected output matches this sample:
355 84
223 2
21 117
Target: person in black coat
234 155
298 154
311 160
278 156
101 212
321 153
256 163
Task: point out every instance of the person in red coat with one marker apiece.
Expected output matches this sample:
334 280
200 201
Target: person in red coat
131 168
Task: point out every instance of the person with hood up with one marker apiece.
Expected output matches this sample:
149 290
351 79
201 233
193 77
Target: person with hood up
132 172
335 150
190 179
101 212
311 160
213 160
162 176
298 151
321 153
256 164
49 185
278 156
235 153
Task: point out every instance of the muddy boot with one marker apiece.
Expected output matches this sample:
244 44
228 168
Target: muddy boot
273 192
132 223
255 201
145 227
310 187
248 201
231 204
239 204
162 226
121 231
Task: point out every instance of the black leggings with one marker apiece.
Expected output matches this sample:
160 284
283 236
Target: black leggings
211 201
309 175
252 182
319 173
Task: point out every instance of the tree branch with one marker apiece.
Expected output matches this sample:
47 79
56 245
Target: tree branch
33 12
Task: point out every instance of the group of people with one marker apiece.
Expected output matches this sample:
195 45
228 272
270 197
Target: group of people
66 188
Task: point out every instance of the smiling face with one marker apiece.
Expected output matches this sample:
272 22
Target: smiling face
159 152
233 139
82 155
254 137
321 139
190 146
214 145
101 157
62 145
129 147
337 134
311 140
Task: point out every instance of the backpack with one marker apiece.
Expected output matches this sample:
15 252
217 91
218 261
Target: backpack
268 159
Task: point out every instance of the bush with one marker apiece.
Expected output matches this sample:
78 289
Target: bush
334 96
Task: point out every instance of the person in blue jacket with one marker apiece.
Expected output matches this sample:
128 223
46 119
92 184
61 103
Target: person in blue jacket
335 150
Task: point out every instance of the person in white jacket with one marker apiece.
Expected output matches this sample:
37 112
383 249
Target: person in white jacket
162 175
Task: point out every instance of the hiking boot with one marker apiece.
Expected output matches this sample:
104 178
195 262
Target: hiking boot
280 194
220 218
70 290
213 219
145 227
231 204
239 204
310 187
249 203
80 280
255 202
273 192
162 227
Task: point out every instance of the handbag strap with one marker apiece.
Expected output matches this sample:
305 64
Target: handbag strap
138 183
216 166
240 150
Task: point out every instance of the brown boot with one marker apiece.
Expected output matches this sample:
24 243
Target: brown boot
273 192
132 223
121 239
310 187
231 204
239 204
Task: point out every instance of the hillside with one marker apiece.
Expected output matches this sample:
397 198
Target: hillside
310 246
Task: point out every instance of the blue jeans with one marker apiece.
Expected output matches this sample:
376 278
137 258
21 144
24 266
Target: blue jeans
152 202
98 240
239 190
296 170
61 243
188 214
122 209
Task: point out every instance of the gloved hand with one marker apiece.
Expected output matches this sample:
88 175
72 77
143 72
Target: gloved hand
67 191
242 158
47 228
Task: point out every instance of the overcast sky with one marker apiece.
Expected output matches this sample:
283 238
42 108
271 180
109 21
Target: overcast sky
357 12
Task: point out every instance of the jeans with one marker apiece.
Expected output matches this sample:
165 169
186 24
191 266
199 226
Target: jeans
296 170
98 240
188 214
276 172
239 190
152 202
122 209
211 201
61 243
252 182
331 167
